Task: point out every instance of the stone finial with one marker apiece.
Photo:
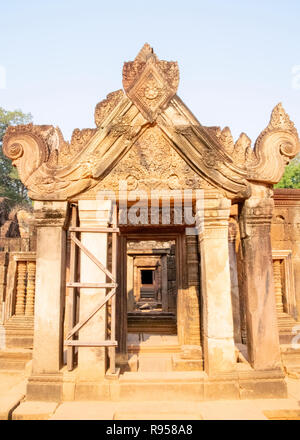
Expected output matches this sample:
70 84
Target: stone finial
226 140
145 53
149 82
281 120
240 148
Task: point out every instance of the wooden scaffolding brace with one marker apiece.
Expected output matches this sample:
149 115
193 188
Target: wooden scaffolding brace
73 284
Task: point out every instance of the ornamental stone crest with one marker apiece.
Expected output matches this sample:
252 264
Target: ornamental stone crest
150 83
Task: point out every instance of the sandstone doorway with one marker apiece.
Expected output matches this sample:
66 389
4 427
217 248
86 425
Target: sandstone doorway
151 317
151 286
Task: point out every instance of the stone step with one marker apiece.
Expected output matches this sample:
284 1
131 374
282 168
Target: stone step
290 356
162 362
151 322
154 377
144 349
14 360
161 385
151 363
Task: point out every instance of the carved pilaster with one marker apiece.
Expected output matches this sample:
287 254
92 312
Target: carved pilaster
278 286
232 234
218 342
29 308
192 298
262 330
21 288
50 219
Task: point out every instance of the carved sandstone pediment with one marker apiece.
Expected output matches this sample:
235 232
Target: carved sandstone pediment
148 137
152 164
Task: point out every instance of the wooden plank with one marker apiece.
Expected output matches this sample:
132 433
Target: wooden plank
91 314
92 285
90 344
103 229
93 258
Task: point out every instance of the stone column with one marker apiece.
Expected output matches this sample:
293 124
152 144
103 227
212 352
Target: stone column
218 343
278 286
50 286
130 295
234 282
29 307
164 284
21 288
92 361
192 297
261 320
3 276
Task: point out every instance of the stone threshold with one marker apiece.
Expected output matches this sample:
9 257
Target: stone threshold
180 385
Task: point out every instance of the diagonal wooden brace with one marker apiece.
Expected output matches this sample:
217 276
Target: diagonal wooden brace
91 314
93 258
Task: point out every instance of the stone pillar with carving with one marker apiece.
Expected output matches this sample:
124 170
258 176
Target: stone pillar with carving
91 360
259 294
21 288
29 308
218 341
192 296
236 311
130 287
50 218
164 284
278 286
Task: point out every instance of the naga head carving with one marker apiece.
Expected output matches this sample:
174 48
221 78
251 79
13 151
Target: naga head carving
274 148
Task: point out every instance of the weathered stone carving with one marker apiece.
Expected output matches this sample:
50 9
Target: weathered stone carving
21 288
53 169
105 107
149 82
152 163
274 148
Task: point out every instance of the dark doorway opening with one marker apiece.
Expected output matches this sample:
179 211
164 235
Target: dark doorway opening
147 276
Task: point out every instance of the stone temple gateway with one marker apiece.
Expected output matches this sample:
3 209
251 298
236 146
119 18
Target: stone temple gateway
132 309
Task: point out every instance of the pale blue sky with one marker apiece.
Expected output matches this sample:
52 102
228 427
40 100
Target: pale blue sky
235 57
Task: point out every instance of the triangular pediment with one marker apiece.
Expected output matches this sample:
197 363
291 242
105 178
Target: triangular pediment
147 137
152 163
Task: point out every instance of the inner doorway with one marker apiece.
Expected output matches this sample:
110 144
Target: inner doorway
151 286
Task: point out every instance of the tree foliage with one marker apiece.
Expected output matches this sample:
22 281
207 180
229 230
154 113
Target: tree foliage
291 176
10 184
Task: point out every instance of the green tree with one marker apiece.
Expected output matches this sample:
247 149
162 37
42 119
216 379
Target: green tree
291 176
10 184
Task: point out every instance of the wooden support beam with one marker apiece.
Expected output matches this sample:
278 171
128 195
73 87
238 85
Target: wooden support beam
90 344
103 229
93 258
92 285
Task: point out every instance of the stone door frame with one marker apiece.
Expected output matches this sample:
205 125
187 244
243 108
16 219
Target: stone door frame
148 233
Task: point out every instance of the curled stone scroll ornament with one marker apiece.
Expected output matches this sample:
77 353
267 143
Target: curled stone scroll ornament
275 147
14 151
